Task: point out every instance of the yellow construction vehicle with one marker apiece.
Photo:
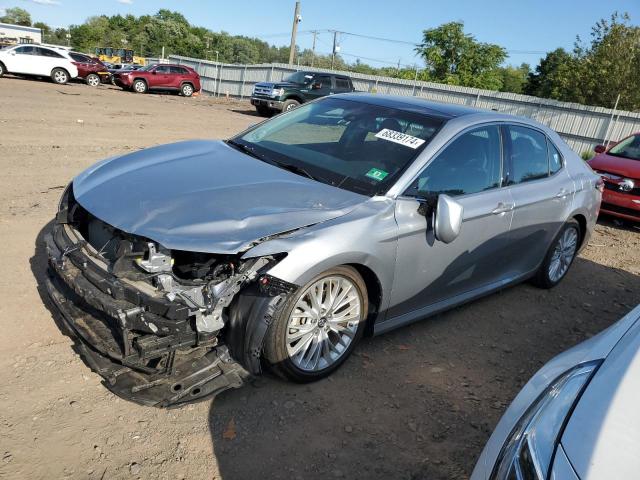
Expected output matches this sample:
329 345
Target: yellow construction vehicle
118 55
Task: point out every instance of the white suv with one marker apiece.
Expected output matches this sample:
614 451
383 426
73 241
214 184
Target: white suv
38 60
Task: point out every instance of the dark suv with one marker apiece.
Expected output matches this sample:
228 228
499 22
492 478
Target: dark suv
297 88
178 78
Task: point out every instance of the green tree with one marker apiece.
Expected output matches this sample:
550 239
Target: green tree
554 76
456 58
16 16
514 79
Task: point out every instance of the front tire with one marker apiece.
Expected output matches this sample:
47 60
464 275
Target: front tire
319 326
59 76
290 105
560 256
93 80
140 86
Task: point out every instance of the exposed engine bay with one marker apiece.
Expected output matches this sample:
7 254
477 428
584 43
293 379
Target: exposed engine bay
157 315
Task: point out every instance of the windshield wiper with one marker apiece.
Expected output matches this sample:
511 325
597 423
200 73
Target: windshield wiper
296 169
246 149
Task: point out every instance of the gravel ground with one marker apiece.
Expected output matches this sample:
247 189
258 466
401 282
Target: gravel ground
418 403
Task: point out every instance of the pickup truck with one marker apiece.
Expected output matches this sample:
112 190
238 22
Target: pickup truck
297 88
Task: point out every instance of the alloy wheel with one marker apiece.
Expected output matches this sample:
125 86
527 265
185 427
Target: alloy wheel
140 87
187 90
563 254
60 76
323 323
93 80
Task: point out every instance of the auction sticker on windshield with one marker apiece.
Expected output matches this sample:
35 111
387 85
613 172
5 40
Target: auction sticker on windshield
400 138
377 174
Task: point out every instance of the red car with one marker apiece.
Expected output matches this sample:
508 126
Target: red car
178 78
619 166
90 69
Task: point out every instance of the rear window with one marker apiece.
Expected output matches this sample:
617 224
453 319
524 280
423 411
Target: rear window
45 52
179 70
78 57
528 154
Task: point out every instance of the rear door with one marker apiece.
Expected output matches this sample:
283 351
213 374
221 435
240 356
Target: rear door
48 59
178 75
542 192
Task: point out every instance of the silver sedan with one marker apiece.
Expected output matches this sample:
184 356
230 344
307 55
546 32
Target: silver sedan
191 265
577 418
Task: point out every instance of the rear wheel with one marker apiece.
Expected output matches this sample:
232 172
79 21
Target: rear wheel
59 76
140 86
2 69
319 326
559 257
290 105
187 89
93 80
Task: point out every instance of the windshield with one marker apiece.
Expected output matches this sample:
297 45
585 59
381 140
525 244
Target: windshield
349 144
299 77
627 148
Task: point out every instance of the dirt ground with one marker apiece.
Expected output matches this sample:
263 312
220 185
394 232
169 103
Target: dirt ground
418 403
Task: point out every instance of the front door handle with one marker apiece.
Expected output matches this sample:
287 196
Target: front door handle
503 208
562 193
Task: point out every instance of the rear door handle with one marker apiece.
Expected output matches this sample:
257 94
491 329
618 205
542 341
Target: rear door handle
503 208
562 193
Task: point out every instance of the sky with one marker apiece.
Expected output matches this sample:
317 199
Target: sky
526 28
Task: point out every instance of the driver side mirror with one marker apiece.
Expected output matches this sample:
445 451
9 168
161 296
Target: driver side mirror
446 216
316 86
600 149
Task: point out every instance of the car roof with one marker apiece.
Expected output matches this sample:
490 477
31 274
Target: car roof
416 105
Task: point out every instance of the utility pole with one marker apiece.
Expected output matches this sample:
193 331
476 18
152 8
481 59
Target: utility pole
313 49
335 46
294 30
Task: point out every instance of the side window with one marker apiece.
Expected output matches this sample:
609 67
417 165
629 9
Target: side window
470 164
26 50
163 69
179 70
45 52
555 159
324 81
527 155
342 84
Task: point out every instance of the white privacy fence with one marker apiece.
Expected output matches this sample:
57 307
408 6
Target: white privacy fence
582 127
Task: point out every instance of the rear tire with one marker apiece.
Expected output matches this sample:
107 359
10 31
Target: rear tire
93 80
187 89
290 105
309 339
560 256
139 86
3 70
59 76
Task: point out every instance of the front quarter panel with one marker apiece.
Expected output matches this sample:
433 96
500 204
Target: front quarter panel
366 236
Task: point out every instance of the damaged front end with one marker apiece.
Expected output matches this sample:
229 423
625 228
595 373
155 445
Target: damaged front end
154 322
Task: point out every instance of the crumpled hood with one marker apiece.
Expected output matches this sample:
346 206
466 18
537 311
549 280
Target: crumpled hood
205 196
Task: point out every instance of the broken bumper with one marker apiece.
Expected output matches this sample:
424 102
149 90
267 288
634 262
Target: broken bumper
146 348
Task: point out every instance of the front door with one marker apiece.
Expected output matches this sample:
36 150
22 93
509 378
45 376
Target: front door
542 192
320 87
23 61
161 77
429 273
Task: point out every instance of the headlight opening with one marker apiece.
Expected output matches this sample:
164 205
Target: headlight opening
530 448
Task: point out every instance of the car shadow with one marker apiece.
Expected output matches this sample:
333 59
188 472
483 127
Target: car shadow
246 111
618 223
419 402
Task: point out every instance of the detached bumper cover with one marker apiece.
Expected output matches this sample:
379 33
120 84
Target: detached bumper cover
145 348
